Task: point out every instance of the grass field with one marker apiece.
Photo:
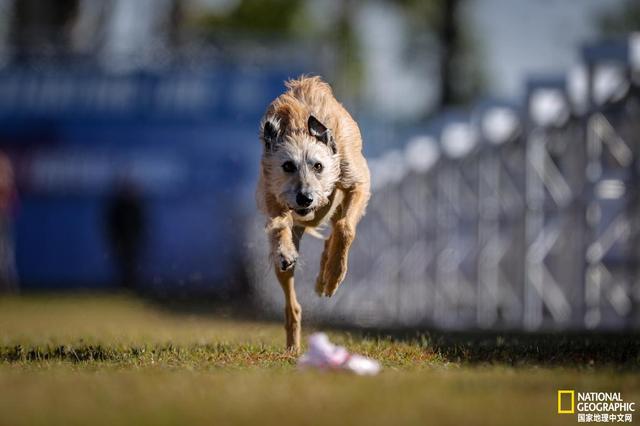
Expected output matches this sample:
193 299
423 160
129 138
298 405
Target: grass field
115 360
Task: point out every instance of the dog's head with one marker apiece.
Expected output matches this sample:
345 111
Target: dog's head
301 164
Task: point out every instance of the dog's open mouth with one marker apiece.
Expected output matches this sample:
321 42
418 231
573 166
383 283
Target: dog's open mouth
303 212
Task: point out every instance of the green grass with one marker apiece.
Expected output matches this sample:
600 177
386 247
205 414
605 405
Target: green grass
116 360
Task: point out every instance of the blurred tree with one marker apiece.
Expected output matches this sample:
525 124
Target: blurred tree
621 20
292 20
41 26
460 75
271 17
347 61
446 27
175 23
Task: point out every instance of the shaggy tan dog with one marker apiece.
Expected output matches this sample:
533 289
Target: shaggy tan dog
312 172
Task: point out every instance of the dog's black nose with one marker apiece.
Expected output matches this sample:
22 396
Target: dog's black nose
304 200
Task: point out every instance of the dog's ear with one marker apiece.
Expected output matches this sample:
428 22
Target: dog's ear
270 133
320 132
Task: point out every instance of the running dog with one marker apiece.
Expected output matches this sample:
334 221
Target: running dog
312 172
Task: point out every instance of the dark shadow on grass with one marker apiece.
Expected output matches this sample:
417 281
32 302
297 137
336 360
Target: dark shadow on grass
620 350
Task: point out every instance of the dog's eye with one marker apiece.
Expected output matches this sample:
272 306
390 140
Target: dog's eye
318 167
289 167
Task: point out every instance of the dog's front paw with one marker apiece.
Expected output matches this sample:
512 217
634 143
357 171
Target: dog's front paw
286 259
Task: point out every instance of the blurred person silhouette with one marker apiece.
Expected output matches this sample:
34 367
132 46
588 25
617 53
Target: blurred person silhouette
8 197
125 226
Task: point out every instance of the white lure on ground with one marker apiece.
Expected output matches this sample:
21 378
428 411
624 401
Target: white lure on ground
324 355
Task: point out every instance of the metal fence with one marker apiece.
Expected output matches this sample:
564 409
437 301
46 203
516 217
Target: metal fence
512 217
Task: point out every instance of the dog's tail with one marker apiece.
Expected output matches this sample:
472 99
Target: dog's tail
315 232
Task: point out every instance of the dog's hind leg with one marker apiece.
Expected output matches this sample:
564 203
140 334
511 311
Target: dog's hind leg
342 236
292 310
323 263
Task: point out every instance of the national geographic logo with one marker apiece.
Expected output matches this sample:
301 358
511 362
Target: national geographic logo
596 407
566 395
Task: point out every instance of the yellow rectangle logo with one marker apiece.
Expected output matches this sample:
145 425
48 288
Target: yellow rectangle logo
569 410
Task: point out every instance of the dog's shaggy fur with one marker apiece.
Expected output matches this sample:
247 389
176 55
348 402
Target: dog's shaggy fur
312 172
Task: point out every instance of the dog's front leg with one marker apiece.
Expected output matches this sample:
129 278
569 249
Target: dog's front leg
337 248
283 247
285 242
292 310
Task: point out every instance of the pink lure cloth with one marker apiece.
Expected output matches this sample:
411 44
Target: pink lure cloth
324 355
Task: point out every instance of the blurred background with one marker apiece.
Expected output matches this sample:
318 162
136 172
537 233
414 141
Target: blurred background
502 138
